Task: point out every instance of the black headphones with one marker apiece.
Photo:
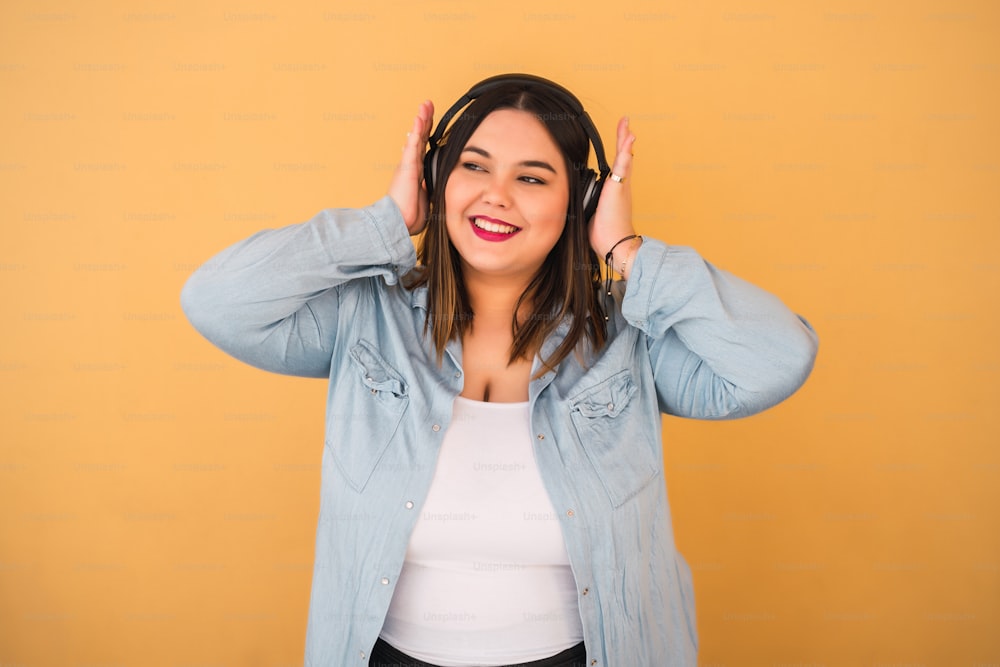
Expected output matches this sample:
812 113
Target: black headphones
592 181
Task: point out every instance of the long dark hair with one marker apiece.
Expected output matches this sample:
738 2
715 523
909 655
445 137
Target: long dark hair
566 287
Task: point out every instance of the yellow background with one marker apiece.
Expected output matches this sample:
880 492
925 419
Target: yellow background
158 500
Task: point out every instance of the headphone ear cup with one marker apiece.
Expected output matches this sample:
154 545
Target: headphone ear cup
591 192
430 169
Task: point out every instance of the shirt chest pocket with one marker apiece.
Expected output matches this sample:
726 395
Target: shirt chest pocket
377 396
614 435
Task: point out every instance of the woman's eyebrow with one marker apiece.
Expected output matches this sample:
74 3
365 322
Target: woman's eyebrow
527 163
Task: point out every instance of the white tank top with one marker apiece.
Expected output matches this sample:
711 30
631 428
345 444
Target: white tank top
487 579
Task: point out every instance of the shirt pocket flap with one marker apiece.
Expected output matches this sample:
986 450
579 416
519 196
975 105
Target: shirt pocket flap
376 374
615 437
607 399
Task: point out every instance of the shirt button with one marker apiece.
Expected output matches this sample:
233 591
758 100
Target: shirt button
570 513
586 590
436 428
611 406
458 374
409 504
541 436
385 581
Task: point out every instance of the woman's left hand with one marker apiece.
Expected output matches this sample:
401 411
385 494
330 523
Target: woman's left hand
613 219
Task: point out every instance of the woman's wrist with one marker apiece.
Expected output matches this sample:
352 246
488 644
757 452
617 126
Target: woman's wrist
619 258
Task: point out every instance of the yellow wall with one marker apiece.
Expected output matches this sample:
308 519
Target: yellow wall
158 500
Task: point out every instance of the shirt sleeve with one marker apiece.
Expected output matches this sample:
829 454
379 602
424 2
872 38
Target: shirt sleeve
272 300
720 347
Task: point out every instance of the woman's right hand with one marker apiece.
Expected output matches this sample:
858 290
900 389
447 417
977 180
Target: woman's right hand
407 187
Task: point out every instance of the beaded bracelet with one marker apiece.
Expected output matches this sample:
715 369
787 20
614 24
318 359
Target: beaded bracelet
607 262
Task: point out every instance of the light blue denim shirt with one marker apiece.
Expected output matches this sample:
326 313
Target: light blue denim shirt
324 299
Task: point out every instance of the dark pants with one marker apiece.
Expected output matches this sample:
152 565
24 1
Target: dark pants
385 655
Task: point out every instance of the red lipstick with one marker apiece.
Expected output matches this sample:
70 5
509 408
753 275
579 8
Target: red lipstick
494 234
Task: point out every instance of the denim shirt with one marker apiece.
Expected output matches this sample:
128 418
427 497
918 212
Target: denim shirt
324 299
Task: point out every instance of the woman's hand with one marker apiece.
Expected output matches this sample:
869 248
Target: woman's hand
407 187
613 219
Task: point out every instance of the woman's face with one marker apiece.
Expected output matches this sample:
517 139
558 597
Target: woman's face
507 197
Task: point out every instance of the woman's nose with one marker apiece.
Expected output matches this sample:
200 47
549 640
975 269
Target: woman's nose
497 191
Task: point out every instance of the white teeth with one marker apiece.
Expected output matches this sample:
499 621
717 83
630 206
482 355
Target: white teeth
494 227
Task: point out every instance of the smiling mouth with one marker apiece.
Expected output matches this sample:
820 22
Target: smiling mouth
493 226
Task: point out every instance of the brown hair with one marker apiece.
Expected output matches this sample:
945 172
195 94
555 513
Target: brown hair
566 287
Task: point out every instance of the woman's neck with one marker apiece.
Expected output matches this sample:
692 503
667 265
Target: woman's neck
492 299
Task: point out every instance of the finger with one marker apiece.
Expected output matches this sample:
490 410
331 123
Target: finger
625 136
622 133
413 136
422 123
416 138
625 141
426 115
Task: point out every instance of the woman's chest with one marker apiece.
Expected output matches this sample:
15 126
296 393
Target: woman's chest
489 373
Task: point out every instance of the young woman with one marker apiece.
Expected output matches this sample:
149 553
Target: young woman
492 480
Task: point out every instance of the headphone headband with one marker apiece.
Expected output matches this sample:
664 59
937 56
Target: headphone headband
593 181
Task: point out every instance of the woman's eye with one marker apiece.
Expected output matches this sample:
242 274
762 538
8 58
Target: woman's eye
472 166
532 180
